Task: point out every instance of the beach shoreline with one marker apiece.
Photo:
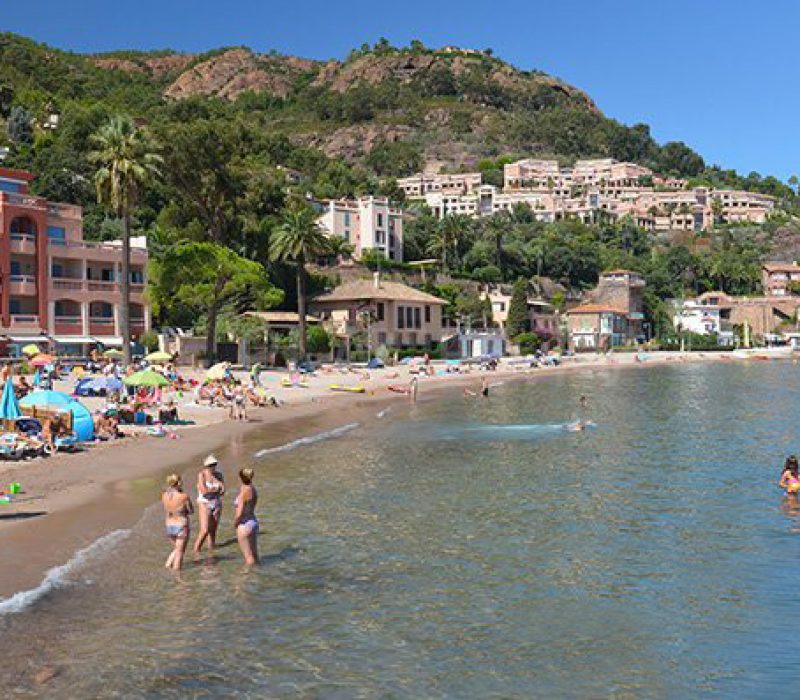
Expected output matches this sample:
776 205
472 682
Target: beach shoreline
71 501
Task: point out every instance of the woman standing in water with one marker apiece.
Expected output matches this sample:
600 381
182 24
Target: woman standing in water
790 477
210 489
245 520
178 508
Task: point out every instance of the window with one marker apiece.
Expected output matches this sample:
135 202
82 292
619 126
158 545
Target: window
16 269
409 317
347 219
401 316
380 220
14 307
427 314
8 186
381 311
56 234
137 276
107 274
381 338
57 270
417 317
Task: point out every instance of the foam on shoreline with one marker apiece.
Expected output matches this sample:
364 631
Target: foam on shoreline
308 440
57 576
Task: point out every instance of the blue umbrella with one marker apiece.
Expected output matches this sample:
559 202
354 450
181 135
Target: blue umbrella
9 406
45 398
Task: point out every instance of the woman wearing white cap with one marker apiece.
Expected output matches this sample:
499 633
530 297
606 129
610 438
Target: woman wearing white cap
210 489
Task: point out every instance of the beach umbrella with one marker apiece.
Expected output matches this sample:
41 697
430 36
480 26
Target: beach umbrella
113 353
43 360
46 399
218 371
158 356
9 406
30 350
146 378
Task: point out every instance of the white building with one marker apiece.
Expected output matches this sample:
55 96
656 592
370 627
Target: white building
697 316
367 223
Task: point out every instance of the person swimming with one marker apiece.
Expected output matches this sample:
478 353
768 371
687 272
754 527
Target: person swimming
790 477
178 508
210 489
245 519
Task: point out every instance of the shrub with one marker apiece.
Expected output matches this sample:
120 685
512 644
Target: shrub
528 342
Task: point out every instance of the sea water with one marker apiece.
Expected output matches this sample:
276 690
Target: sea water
466 547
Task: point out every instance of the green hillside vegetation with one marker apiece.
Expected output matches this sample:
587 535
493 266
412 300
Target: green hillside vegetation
350 128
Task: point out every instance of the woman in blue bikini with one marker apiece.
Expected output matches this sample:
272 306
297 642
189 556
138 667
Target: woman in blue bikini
178 508
245 520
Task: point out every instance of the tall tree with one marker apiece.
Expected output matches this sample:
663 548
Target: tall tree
126 162
517 321
204 276
299 240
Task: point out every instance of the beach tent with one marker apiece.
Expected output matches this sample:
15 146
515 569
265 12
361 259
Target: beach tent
31 350
146 378
9 406
82 423
158 356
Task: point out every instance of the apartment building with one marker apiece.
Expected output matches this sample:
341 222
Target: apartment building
590 191
367 223
417 186
56 288
387 313
542 316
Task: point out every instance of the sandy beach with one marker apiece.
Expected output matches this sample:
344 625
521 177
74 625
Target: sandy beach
70 500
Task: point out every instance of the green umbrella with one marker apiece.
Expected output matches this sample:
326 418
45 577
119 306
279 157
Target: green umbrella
146 378
158 356
113 352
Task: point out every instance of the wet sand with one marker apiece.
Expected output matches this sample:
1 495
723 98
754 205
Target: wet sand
69 501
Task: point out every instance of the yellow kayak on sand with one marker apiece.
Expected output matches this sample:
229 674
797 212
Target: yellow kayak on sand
353 389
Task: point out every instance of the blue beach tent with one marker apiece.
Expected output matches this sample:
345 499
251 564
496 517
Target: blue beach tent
9 406
82 423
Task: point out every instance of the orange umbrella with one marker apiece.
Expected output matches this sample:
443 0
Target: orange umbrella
42 360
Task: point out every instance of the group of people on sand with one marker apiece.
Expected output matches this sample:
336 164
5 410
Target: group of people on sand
178 508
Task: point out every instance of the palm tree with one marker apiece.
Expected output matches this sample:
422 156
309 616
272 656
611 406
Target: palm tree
126 162
339 248
299 239
495 231
447 236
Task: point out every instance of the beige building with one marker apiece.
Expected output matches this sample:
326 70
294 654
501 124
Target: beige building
388 313
367 223
777 278
542 316
419 185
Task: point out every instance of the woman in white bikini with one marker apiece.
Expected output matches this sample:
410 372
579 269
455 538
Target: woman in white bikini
210 489
245 520
178 508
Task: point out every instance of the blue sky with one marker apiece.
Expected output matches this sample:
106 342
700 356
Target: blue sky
720 75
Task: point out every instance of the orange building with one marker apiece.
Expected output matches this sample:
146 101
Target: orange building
56 288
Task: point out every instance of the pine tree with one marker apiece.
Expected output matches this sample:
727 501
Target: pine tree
517 321
20 126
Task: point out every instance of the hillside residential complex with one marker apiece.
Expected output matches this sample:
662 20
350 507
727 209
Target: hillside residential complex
367 223
56 288
590 191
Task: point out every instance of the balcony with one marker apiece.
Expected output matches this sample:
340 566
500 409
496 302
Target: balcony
96 286
64 211
68 325
25 322
23 243
72 284
22 285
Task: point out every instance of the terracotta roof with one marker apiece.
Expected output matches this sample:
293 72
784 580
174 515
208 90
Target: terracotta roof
781 267
596 309
15 174
366 290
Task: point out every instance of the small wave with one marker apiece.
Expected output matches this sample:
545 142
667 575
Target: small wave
309 440
57 576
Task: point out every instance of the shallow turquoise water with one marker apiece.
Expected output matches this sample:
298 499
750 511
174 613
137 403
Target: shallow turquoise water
474 548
